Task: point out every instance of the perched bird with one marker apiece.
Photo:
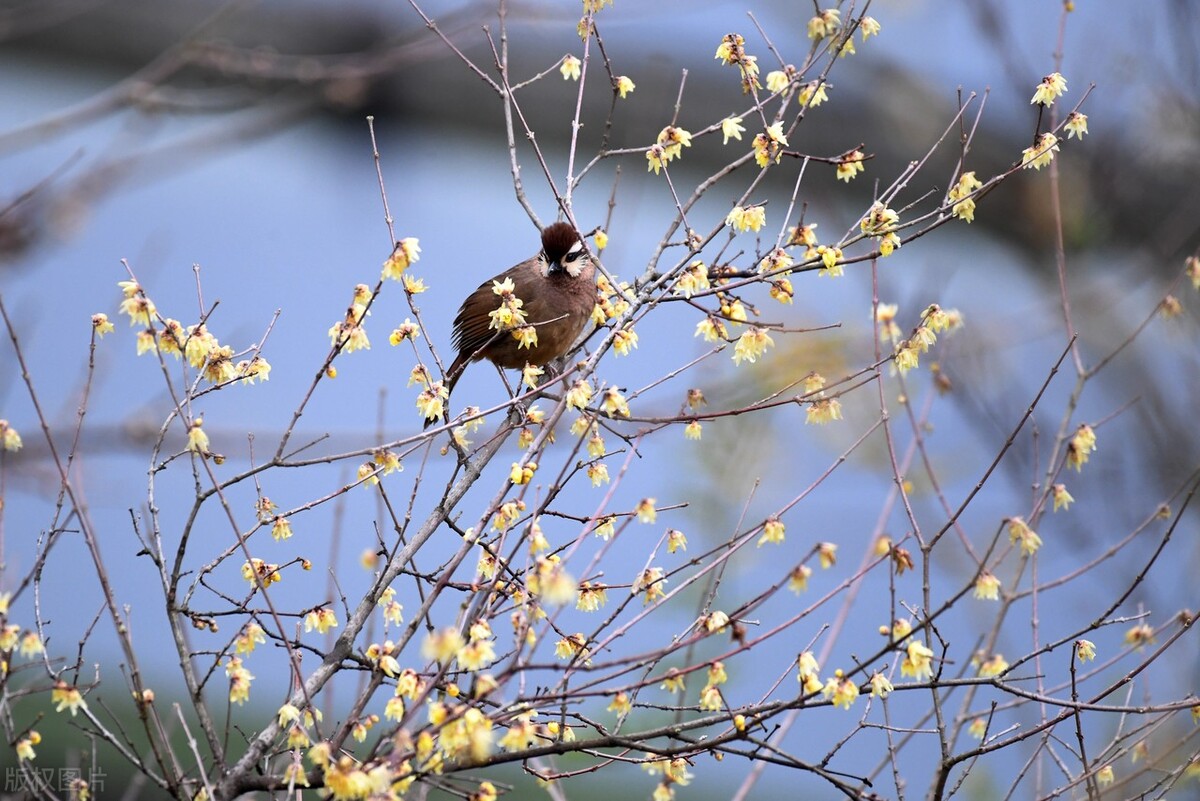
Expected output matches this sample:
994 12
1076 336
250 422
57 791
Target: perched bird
539 318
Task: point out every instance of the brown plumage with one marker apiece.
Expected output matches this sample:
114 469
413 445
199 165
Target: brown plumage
557 289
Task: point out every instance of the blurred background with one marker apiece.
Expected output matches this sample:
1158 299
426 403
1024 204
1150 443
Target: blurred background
229 141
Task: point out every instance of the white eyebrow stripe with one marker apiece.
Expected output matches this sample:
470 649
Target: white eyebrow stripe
578 246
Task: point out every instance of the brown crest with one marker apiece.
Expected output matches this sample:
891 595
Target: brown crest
557 240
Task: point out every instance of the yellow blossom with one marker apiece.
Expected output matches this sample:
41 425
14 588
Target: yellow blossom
570 68
841 690
824 411
651 583
67 697
798 579
977 728
1081 447
825 24
673 683
406 330
322 620
1051 87
1085 650
598 474
676 541
645 511
10 438
621 704
1040 154
869 27
751 345
777 81
918 661
880 686
1140 636
806 665
813 94
197 440
831 258
614 403
1076 125
987 587
601 239
827 554
407 251
693 430
101 325
579 395
625 341
1105 775
624 86
993 666
747 219
1062 498
850 165
1020 533
731 128
249 638
773 532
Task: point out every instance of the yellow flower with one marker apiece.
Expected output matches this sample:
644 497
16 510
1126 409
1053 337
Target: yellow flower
614 403
624 86
1140 636
827 554
987 587
880 686
831 258
978 728
322 620
824 411
591 597
579 395
994 666
1051 87
526 336
10 437
1085 650
824 24
1105 775
918 662
601 240
747 219
281 529
751 344
693 430
651 583
1081 447
67 697
712 329
841 690
431 402
773 532
197 440
1040 154
806 665
101 325
731 128
813 94
570 68
1062 498
625 341
1020 533
1076 125
522 474
850 165
406 330
621 704
777 81
442 646
869 27
798 579
407 251
598 474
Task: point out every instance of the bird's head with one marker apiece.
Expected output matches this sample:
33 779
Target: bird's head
563 250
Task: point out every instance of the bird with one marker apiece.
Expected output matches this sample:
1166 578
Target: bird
556 290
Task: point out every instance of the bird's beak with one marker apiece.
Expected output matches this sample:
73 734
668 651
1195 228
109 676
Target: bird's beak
554 266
